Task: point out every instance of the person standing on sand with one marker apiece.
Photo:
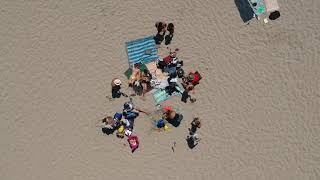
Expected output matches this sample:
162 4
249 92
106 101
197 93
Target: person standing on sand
193 138
161 28
169 37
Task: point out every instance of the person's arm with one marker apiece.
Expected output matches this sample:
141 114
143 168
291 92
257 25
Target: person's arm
140 110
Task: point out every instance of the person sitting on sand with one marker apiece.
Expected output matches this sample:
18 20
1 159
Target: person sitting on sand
169 114
145 81
117 117
108 123
185 95
193 78
171 55
135 76
115 89
172 87
134 80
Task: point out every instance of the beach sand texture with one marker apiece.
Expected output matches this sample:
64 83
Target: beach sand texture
259 99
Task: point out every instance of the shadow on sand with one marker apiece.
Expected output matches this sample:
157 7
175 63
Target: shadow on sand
245 11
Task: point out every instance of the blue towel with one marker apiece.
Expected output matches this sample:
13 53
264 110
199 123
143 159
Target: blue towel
136 50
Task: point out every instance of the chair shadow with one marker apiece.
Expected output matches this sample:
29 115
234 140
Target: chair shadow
245 11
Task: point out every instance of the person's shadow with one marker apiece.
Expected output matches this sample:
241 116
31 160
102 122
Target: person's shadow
245 11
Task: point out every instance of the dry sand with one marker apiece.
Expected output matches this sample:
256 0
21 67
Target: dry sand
259 99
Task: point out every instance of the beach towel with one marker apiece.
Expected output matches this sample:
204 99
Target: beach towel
160 95
133 142
258 6
141 50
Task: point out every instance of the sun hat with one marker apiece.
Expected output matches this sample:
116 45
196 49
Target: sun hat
117 82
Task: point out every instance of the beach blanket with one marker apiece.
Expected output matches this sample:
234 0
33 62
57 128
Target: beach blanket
152 67
141 50
257 6
160 95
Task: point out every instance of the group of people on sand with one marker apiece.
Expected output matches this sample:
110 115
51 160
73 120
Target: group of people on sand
172 65
123 124
140 81
164 32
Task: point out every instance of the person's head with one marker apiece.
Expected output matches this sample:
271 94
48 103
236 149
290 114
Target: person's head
160 26
197 122
173 54
109 120
137 65
170 26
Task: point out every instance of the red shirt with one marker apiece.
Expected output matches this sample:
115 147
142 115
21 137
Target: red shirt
196 79
168 59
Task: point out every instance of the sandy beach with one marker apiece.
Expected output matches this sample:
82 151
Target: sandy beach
259 98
